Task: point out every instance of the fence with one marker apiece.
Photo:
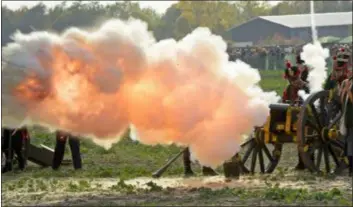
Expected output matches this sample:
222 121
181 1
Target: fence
274 57
273 62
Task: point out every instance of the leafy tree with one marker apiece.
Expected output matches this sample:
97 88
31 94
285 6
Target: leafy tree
167 25
216 15
251 9
303 7
178 20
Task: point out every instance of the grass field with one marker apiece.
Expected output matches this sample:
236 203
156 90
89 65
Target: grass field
120 176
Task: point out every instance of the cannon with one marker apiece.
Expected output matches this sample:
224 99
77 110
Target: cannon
313 126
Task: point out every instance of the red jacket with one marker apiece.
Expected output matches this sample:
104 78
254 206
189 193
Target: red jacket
290 94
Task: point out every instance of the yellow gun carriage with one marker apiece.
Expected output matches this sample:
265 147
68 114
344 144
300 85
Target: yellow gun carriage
313 126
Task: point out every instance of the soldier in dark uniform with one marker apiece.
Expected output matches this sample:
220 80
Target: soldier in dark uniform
338 83
346 94
340 70
206 171
14 140
74 143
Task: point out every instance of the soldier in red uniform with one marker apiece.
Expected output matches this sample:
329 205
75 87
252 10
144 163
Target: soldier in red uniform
14 140
296 76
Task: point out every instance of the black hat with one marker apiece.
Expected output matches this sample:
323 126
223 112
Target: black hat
299 60
291 71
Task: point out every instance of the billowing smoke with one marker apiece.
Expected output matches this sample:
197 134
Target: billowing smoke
97 84
315 56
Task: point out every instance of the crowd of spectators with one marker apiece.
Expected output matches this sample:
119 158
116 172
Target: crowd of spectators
273 58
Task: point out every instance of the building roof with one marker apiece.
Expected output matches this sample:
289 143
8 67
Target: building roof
304 20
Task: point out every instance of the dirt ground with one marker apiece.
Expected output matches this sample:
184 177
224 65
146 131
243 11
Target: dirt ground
247 190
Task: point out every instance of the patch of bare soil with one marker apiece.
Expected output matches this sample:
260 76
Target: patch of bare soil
186 191
219 182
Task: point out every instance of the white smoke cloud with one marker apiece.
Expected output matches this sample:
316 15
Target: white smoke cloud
97 84
315 56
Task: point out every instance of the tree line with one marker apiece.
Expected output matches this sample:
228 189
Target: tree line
178 20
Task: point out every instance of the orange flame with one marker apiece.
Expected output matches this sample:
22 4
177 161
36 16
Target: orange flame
97 84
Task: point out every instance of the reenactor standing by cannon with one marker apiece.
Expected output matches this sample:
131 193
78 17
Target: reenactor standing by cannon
297 78
347 123
340 69
294 76
343 63
339 83
61 138
14 141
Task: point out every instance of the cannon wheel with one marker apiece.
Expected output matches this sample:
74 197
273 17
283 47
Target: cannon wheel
315 119
257 149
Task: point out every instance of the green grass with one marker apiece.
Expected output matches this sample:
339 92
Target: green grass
115 162
128 159
272 80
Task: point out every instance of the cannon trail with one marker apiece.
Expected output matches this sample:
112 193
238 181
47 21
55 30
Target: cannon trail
97 83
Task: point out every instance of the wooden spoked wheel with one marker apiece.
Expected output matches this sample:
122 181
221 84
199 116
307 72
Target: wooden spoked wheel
319 143
257 156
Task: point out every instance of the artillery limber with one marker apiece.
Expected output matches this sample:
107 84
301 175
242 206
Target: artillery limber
312 125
